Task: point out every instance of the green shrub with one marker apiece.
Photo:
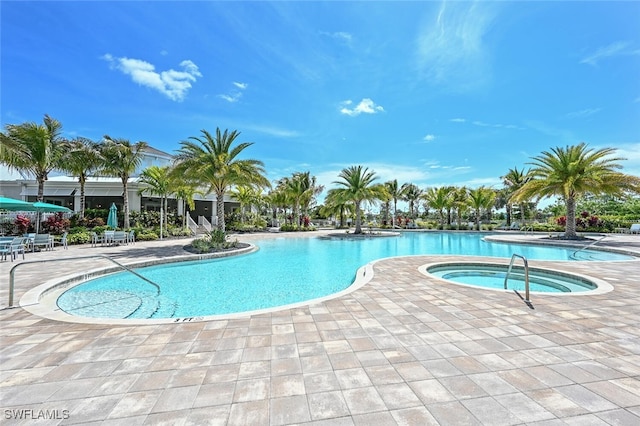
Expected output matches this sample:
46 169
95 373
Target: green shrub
214 241
293 228
79 238
147 236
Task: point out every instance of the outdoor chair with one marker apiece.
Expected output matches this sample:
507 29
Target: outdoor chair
15 247
132 237
635 228
42 240
96 239
120 237
63 241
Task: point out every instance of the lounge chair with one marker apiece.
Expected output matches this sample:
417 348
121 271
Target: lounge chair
42 240
635 228
15 247
132 237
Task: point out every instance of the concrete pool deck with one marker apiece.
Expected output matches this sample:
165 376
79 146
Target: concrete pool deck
404 349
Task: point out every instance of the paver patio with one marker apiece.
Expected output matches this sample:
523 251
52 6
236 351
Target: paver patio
404 349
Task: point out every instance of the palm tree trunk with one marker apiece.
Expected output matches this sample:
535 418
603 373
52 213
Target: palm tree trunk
220 210
570 227
82 198
125 202
478 219
358 219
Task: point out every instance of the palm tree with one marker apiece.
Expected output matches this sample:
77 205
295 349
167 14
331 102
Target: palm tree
481 198
185 191
412 194
459 200
121 159
247 196
397 193
81 158
514 180
158 181
335 205
33 148
574 171
213 161
439 200
357 186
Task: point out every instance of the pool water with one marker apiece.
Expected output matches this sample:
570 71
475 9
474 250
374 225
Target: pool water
282 272
492 276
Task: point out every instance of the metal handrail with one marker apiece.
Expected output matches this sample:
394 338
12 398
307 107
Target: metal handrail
526 275
126 268
602 237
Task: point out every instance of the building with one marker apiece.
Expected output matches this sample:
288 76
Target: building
100 192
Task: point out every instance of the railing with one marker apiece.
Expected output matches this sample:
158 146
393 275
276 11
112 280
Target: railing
192 225
126 268
202 221
526 275
602 237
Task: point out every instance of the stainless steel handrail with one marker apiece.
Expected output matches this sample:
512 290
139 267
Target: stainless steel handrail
526 275
126 268
602 237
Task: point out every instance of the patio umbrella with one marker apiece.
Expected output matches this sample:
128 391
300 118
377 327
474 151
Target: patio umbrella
14 205
112 219
42 207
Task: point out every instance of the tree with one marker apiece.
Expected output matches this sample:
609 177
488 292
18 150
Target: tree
574 171
357 186
33 148
459 201
481 198
335 205
412 194
247 196
439 200
121 159
301 189
212 161
158 181
81 158
397 193
514 180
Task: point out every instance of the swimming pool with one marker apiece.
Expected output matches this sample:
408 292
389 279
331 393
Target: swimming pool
282 272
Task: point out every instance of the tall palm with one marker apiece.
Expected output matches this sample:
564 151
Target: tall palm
574 171
412 194
357 186
121 159
81 158
212 160
277 199
481 198
460 201
396 192
514 180
185 191
158 181
438 199
33 148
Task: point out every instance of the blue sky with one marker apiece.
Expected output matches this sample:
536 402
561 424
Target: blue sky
431 93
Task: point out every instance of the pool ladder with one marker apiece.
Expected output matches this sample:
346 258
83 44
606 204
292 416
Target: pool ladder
59 259
526 276
602 237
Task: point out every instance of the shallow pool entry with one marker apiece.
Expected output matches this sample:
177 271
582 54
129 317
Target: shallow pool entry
493 276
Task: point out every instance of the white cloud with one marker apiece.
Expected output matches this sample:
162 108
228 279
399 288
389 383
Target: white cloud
618 48
236 94
366 106
458 120
341 36
583 113
171 83
450 46
429 138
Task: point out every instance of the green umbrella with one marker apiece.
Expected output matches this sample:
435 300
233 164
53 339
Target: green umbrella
39 206
42 207
14 205
112 219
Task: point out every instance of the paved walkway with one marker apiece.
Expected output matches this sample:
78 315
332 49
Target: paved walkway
404 349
